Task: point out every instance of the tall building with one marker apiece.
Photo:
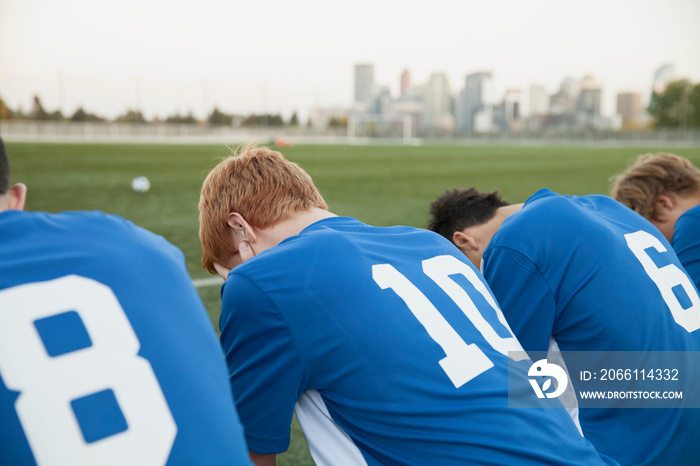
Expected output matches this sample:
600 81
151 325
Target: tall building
562 104
410 101
571 86
475 103
506 115
383 100
364 85
437 109
539 101
589 98
662 76
405 83
629 107
588 103
512 105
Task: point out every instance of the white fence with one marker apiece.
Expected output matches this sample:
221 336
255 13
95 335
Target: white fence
164 133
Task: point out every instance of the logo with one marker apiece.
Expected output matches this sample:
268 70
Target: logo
542 368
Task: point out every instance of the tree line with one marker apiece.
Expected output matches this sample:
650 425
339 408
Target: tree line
215 118
677 106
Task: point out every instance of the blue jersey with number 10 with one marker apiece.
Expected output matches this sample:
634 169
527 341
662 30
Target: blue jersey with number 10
107 356
394 341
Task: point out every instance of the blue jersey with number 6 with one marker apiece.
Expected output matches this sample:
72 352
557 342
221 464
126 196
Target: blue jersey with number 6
589 274
393 347
107 356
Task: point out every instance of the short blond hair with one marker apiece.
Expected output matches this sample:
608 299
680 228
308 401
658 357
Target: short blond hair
262 186
651 175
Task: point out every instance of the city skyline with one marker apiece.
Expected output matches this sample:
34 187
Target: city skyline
165 58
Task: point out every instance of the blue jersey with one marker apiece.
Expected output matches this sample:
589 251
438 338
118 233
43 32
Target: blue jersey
592 275
107 355
393 340
686 242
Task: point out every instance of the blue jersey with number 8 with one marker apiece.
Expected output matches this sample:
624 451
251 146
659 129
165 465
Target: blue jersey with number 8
107 355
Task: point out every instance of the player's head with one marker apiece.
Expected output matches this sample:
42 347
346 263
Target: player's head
260 185
11 197
660 187
465 217
461 208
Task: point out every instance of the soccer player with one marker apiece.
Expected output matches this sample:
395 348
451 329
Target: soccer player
665 188
585 274
107 356
388 339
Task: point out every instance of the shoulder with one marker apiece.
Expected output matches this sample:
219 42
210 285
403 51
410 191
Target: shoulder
541 204
689 221
93 232
343 249
565 209
339 239
687 230
549 197
549 221
81 222
691 216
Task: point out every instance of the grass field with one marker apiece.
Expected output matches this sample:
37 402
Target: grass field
380 185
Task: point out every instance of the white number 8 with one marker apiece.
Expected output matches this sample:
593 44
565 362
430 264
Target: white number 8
47 385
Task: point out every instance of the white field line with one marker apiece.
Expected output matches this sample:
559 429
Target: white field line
201 282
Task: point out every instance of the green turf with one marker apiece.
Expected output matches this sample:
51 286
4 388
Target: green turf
380 185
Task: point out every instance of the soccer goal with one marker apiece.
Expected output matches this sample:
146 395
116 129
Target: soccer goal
381 128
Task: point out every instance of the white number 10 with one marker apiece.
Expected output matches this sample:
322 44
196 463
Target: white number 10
47 385
462 361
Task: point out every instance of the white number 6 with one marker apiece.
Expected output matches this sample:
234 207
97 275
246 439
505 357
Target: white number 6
666 278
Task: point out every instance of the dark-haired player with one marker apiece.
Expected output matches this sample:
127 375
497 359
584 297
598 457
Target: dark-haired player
575 274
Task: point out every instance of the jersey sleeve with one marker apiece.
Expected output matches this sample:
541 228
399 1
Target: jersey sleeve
525 297
266 373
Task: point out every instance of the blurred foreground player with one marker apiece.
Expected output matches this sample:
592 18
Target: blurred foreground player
665 189
388 339
107 356
586 274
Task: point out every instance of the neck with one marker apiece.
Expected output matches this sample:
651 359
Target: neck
270 237
298 222
502 213
667 226
688 202
506 211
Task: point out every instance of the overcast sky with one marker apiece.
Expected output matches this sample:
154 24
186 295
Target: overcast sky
167 56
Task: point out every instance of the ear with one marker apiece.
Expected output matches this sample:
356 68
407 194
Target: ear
241 227
664 204
16 197
464 241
